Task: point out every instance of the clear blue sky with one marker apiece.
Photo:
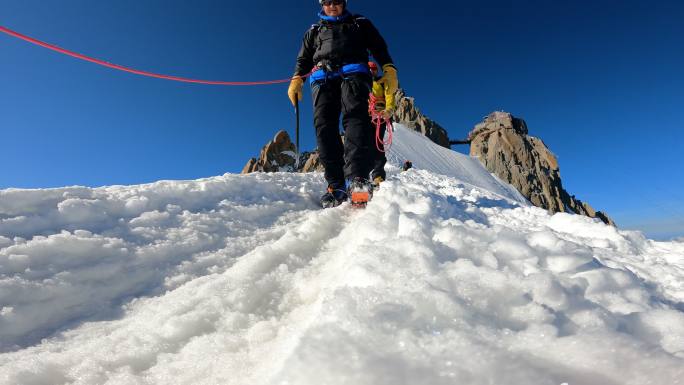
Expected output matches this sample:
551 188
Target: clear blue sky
599 81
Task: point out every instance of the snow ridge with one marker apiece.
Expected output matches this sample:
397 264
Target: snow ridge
446 277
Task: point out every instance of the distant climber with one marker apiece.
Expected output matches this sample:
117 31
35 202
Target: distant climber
337 49
407 165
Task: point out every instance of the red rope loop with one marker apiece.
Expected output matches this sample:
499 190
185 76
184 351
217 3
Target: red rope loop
135 71
378 118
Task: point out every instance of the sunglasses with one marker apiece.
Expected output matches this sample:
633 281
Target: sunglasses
328 3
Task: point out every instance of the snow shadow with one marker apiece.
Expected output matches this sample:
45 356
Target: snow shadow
73 255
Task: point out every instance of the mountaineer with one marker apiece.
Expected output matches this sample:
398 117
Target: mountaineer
336 49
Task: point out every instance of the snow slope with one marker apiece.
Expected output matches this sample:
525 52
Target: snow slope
425 155
447 277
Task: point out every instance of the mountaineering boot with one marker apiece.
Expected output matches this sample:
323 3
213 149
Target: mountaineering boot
334 197
360 191
376 182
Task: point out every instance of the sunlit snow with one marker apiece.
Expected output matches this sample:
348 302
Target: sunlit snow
447 277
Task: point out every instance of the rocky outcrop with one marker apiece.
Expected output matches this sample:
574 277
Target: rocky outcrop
312 162
279 154
409 115
501 142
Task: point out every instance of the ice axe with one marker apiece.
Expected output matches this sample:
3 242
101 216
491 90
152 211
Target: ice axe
297 132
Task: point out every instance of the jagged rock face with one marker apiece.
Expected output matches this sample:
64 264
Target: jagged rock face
280 155
501 143
277 155
409 115
312 162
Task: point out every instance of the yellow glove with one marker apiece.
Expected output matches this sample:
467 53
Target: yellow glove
389 105
378 93
391 83
294 92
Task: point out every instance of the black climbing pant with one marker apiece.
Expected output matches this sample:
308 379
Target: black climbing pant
346 96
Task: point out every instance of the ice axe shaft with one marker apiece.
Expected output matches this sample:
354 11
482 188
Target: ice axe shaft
297 131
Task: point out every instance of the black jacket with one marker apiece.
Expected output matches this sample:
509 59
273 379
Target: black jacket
341 42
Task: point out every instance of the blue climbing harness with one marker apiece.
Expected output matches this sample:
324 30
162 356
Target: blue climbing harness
322 75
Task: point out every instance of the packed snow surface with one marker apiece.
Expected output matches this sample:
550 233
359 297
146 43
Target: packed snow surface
447 277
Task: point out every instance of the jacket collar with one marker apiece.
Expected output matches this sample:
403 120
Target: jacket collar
334 19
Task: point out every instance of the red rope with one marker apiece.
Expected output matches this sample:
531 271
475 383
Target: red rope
378 118
132 70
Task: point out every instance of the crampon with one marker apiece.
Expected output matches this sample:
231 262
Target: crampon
360 192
